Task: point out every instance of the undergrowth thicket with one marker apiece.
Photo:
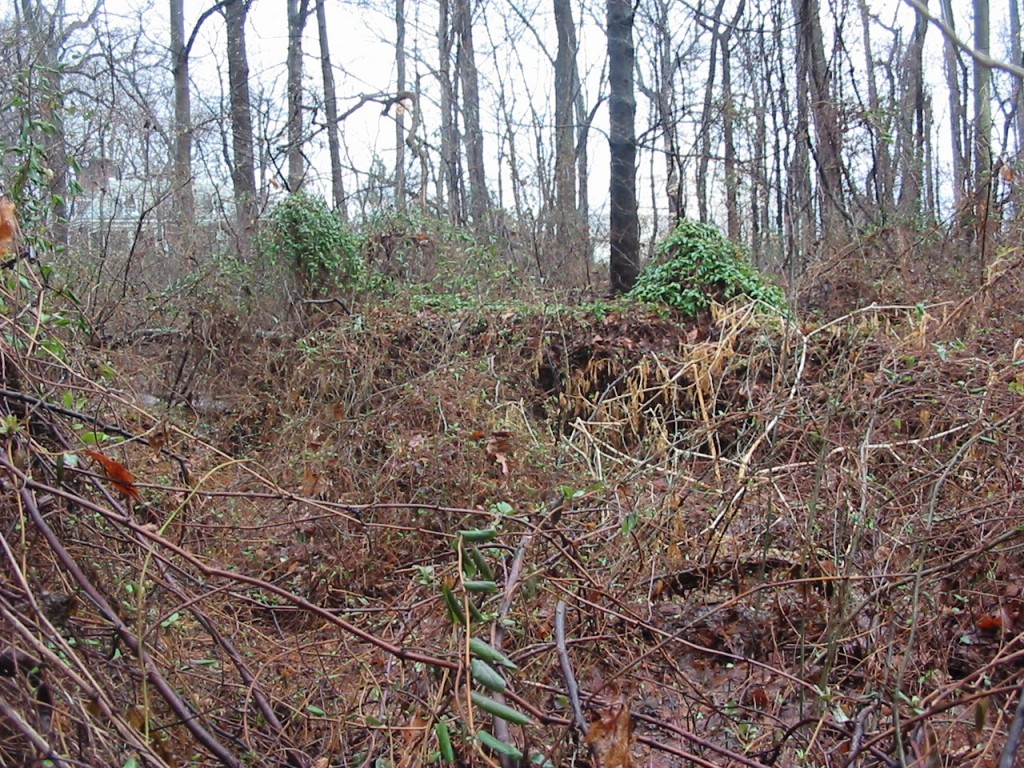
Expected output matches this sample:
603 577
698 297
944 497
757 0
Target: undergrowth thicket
408 529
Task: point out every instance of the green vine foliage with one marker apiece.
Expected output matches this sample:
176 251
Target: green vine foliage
696 265
303 233
25 165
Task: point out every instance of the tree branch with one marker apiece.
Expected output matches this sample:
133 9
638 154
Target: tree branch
982 58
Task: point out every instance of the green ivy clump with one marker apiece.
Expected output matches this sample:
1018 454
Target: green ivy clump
305 234
696 264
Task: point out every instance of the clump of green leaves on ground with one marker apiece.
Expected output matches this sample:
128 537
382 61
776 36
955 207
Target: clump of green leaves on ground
696 264
304 234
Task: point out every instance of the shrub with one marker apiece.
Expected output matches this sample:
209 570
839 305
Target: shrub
696 265
306 235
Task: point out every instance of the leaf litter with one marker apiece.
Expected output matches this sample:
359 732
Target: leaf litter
779 544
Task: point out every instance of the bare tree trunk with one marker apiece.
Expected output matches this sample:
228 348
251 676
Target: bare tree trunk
331 110
624 224
1017 56
298 11
931 208
879 127
565 140
183 196
474 136
827 139
912 129
799 213
728 129
957 116
450 170
583 121
663 96
243 168
400 179
708 118
982 107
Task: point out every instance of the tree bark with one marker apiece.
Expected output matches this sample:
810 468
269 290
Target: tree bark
565 140
474 136
982 107
708 118
827 139
298 12
450 178
183 195
912 124
400 176
728 129
624 224
1017 55
879 126
957 113
243 167
331 111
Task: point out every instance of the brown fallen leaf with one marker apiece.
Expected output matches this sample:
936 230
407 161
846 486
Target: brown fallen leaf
611 737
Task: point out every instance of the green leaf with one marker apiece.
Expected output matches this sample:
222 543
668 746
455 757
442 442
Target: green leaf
487 676
480 586
498 709
444 742
489 653
499 746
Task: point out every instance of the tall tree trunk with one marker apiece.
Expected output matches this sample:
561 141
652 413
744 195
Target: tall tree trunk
565 139
243 167
957 114
982 107
400 177
474 135
583 121
879 126
799 198
827 139
1017 55
708 117
912 124
331 110
298 11
663 95
451 175
728 128
183 194
624 224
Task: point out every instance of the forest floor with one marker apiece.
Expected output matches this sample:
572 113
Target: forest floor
747 541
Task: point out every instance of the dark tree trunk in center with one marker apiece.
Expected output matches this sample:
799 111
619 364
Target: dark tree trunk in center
624 224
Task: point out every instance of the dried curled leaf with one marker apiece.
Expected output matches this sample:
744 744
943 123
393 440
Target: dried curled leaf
611 737
8 227
119 476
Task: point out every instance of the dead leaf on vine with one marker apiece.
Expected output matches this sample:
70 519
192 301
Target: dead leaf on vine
119 476
158 437
499 450
611 737
312 481
8 226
